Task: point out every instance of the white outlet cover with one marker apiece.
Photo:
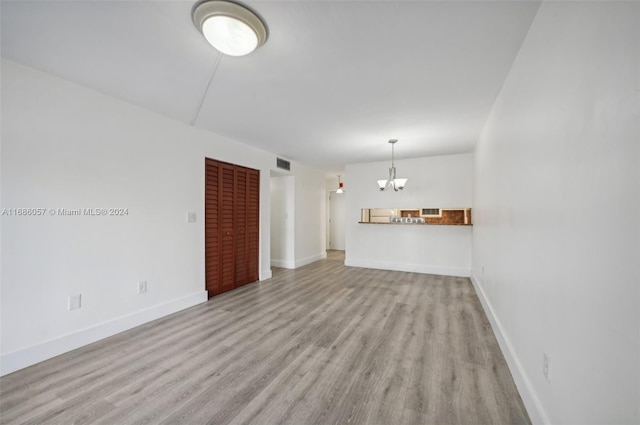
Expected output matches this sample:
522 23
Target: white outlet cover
191 217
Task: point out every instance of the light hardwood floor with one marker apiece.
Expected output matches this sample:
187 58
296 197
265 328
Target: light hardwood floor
323 344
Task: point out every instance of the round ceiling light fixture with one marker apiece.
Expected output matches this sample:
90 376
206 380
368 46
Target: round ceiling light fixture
230 27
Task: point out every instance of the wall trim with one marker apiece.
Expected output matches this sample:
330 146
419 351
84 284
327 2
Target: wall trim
408 267
265 274
529 396
20 359
284 264
311 259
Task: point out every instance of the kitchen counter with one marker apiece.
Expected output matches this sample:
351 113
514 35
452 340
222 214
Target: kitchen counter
419 224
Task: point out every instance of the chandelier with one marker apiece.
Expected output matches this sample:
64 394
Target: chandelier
392 182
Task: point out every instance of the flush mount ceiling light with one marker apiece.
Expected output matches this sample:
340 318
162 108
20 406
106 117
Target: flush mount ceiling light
230 27
392 182
340 185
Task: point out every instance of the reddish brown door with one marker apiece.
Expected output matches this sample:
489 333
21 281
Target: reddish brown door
232 195
240 220
253 224
211 232
225 226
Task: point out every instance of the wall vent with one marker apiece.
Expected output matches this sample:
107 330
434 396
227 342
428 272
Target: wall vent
431 212
283 163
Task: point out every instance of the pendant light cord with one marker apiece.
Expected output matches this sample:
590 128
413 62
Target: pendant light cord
392 170
393 165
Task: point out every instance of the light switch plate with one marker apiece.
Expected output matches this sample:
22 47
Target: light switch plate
142 287
75 302
191 217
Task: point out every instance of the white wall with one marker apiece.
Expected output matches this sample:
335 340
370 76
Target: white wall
282 221
65 146
310 215
298 218
556 208
441 181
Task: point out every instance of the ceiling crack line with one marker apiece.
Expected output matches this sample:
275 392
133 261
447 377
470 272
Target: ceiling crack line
206 90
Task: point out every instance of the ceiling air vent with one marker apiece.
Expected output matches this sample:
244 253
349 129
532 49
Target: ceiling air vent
283 163
431 212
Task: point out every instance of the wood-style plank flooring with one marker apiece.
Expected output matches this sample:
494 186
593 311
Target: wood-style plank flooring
323 344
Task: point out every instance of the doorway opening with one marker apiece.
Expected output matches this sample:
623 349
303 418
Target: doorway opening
337 221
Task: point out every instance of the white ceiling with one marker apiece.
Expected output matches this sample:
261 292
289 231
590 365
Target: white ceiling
334 81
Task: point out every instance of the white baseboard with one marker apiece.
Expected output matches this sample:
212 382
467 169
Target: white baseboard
265 274
310 260
530 399
283 264
408 267
295 264
16 360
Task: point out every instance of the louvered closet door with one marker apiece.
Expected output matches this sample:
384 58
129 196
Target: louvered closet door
240 226
227 234
211 231
232 196
253 224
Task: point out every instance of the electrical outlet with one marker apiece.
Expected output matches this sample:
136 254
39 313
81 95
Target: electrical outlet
75 302
546 364
191 217
142 287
